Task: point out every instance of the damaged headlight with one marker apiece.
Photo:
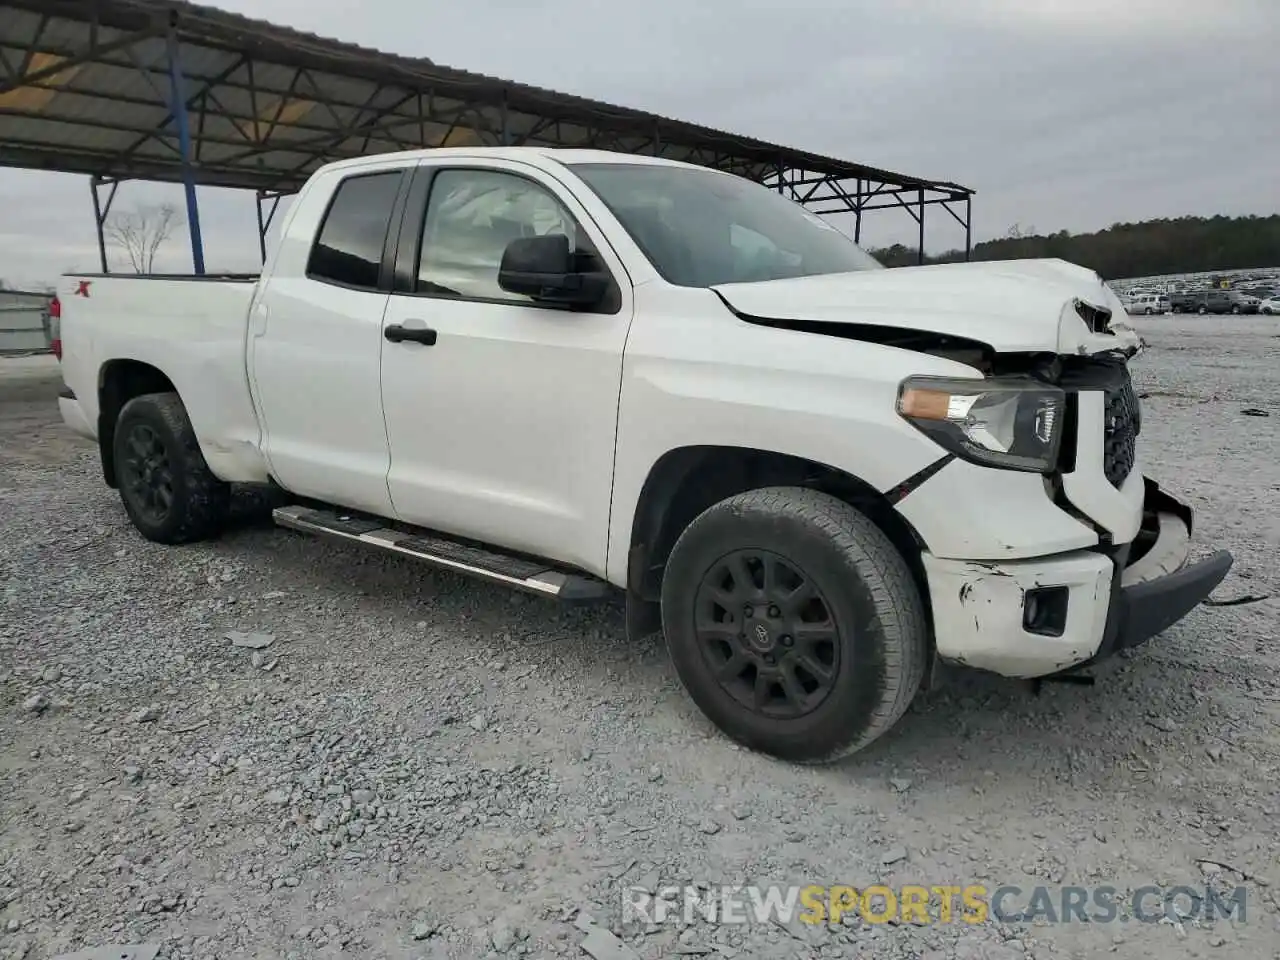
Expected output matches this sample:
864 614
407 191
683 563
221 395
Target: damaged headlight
1011 423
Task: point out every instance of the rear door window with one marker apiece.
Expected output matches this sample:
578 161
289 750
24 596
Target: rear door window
348 248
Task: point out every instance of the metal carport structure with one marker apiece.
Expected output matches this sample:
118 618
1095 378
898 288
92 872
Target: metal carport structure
173 91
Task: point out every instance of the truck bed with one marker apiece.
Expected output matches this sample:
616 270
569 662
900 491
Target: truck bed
191 327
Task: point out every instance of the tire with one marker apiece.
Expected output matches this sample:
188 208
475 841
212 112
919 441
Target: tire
875 668
198 502
1202 311
1148 311
1235 310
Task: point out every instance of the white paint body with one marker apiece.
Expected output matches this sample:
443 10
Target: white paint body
535 430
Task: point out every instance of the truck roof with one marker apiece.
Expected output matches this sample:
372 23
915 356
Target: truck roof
535 155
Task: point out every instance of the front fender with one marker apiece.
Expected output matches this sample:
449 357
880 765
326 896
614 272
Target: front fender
695 375
701 377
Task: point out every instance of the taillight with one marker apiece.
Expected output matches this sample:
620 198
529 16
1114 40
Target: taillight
55 327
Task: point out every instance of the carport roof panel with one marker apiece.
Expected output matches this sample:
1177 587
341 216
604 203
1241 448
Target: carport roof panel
85 87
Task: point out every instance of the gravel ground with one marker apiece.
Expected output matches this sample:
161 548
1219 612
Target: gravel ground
419 765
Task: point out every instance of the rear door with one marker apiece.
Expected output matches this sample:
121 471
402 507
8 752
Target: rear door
316 340
502 424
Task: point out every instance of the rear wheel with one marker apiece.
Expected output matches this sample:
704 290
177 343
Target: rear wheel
794 623
169 492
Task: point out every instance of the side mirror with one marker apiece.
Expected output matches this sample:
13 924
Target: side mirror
544 268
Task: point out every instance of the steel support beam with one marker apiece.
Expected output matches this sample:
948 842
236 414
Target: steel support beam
100 213
182 121
920 220
965 221
968 228
264 222
262 230
857 215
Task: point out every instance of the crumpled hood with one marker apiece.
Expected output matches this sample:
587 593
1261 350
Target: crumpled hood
1011 305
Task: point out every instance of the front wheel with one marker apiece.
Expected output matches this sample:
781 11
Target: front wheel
794 623
168 490
1202 311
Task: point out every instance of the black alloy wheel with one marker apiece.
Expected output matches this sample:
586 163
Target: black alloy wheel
146 475
767 633
168 490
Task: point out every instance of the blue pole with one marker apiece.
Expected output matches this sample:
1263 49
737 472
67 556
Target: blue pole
184 145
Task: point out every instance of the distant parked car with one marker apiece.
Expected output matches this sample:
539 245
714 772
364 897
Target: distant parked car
1147 304
1216 301
1243 302
1270 306
1202 301
1188 301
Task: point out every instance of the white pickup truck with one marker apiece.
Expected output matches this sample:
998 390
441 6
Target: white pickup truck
586 374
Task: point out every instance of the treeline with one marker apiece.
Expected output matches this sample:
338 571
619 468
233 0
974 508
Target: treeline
1151 248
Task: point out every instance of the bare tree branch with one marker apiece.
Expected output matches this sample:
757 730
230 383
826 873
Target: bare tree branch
141 232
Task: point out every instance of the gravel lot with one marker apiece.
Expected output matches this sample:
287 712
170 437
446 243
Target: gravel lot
423 766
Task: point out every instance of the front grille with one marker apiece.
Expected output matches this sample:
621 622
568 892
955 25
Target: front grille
1122 421
1122 414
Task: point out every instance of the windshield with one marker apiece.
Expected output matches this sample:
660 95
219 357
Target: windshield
700 228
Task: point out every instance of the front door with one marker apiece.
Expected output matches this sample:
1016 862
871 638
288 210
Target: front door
501 412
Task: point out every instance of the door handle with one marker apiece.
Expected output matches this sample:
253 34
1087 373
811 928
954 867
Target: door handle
397 333
260 320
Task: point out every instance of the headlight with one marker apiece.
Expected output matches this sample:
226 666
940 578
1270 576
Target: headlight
1015 423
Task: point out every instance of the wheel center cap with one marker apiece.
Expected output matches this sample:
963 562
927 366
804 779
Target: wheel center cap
759 636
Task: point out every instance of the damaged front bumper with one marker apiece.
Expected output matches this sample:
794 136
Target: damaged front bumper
1035 618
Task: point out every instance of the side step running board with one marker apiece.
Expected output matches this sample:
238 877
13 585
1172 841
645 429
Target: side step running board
534 576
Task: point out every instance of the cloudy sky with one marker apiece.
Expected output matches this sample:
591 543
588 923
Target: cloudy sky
1062 114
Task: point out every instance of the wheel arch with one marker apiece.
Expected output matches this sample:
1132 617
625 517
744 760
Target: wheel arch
119 381
687 480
